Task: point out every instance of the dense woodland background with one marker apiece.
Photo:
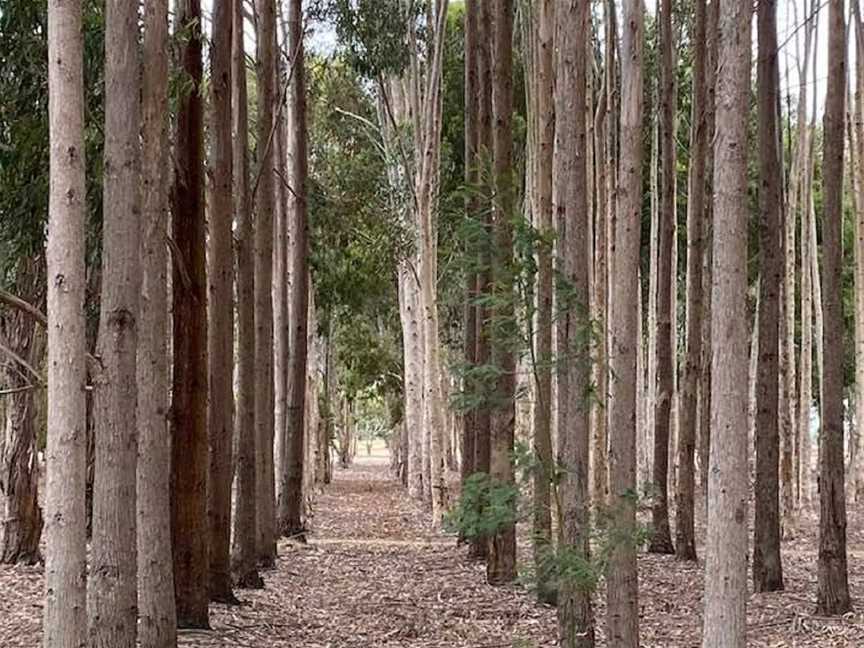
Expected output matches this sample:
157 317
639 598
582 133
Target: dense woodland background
592 272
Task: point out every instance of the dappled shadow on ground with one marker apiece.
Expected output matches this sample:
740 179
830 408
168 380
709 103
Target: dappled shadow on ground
374 575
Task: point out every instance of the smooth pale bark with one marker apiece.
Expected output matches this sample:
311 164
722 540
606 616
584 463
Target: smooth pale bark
64 620
661 541
244 551
833 583
264 196
545 55
685 540
220 346
157 626
622 587
112 583
501 565
725 599
767 566
189 526
20 514
570 204
291 502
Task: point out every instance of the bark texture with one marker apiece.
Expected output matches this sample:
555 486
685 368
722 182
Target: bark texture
724 622
112 585
622 587
833 581
65 614
189 528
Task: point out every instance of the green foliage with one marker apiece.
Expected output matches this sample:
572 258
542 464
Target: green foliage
486 506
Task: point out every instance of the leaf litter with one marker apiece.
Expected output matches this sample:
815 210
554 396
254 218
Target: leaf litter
375 575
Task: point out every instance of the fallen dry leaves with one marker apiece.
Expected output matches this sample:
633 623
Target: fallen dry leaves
376 576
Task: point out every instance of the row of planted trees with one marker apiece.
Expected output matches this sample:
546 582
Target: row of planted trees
568 307
173 428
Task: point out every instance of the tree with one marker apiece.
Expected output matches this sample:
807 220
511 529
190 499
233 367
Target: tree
570 203
291 504
501 564
112 586
724 621
622 593
767 567
156 609
545 101
244 550
189 527
220 343
264 196
64 616
661 541
685 541
833 584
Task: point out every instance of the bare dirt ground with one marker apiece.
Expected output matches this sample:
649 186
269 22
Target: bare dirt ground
375 576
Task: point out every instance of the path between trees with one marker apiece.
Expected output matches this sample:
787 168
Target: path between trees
375 576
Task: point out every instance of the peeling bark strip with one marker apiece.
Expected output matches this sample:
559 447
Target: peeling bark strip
64 617
189 405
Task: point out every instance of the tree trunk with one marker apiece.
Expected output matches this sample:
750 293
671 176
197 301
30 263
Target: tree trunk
622 587
264 197
189 407
724 623
65 612
20 515
833 586
661 541
857 478
112 582
570 190
501 566
244 550
685 541
545 52
156 609
767 566
291 504
220 346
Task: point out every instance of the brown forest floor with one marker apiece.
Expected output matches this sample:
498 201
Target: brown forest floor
374 576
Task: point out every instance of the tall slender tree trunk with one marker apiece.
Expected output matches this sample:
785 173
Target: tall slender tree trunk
857 478
264 196
291 504
661 541
712 56
767 566
112 584
501 566
244 550
482 447
724 621
685 540
833 584
545 52
64 620
570 193
220 348
622 586
157 627
189 406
